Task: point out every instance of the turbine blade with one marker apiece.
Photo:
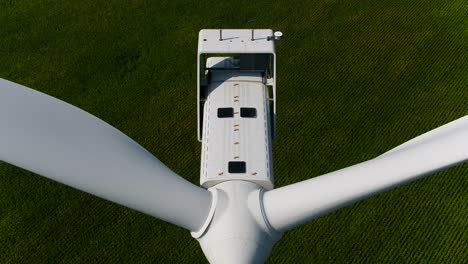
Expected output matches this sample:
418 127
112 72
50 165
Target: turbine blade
436 150
49 137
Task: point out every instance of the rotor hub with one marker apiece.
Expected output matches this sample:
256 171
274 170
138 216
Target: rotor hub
238 231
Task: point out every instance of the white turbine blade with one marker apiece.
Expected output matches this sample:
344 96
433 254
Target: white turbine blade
298 203
47 136
426 137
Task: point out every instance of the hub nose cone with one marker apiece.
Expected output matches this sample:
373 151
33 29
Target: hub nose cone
237 250
237 232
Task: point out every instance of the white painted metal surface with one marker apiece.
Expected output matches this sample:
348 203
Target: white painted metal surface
233 41
237 138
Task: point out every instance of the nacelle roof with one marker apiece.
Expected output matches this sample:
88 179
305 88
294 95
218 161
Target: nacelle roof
236 41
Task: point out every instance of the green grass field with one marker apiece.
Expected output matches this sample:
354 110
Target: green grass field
354 80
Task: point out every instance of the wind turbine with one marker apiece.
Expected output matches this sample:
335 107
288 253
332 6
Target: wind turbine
236 214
